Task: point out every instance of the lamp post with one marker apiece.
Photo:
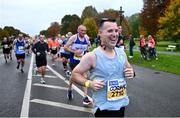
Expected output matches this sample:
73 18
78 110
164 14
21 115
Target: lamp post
121 15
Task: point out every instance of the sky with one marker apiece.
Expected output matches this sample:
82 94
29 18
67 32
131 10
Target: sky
32 16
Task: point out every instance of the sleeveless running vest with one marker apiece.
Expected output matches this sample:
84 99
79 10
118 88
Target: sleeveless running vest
79 45
20 47
113 95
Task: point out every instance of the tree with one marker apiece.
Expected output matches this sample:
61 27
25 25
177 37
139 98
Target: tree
91 27
54 29
3 33
170 23
151 12
134 23
69 23
12 31
45 33
110 13
89 11
114 14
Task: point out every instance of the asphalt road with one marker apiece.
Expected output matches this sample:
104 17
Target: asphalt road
152 93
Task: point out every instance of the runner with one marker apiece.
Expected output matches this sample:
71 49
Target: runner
108 67
120 42
59 39
20 51
65 55
11 46
54 48
40 49
78 46
6 48
27 46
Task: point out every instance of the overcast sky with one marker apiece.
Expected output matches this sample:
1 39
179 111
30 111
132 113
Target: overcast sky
32 16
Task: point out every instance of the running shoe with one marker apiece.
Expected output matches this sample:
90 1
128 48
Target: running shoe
69 95
68 73
42 81
17 66
22 71
86 101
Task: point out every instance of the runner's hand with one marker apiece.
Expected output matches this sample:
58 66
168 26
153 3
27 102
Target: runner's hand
38 53
78 52
97 84
129 73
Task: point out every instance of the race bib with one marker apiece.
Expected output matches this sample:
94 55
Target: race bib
26 45
62 49
78 57
21 48
116 89
5 46
54 48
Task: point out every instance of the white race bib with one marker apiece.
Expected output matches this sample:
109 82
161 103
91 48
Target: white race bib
6 46
61 50
21 48
78 57
54 48
116 89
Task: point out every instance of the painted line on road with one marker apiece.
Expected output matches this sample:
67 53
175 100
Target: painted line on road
35 68
73 86
46 76
1 55
62 105
27 93
50 86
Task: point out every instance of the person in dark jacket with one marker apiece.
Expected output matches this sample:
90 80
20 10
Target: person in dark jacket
40 49
131 45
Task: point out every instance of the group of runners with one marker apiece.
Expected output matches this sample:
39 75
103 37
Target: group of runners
103 70
20 45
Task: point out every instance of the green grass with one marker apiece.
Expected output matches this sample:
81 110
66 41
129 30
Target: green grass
161 45
166 63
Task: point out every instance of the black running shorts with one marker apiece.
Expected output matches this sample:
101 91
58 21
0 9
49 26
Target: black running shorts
20 56
41 61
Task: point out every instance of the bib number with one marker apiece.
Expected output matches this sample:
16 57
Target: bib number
6 46
62 50
21 48
78 57
116 89
54 48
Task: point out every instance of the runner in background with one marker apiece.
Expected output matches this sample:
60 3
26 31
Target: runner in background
40 49
65 55
6 49
78 46
11 39
20 51
54 48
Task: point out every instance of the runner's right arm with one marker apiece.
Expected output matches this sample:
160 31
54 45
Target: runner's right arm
67 46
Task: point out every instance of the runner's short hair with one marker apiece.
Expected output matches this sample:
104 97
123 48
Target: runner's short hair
105 20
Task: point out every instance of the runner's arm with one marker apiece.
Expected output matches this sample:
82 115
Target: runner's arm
67 47
129 72
85 66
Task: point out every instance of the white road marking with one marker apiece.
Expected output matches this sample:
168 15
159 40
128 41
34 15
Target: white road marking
73 86
62 105
50 86
35 68
26 99
46 76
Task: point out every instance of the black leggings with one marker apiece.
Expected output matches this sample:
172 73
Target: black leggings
110 113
